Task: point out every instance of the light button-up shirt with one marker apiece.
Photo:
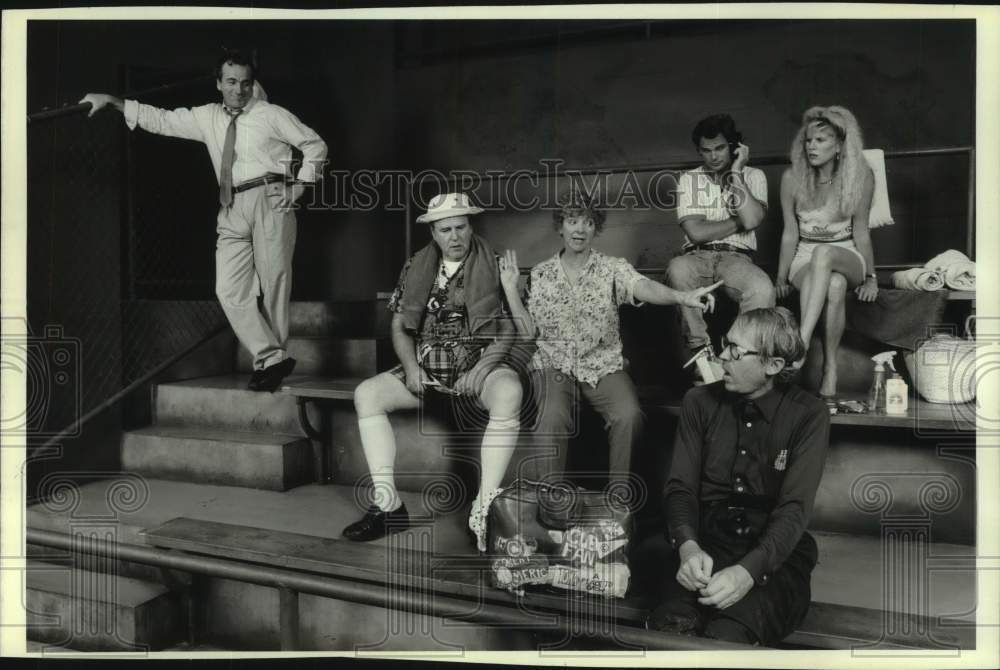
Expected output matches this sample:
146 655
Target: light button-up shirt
699 195
265 134
578 325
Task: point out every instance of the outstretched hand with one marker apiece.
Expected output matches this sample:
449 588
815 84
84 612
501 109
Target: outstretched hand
99 101
509 271
700 298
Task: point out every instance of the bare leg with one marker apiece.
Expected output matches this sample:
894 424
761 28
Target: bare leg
834 320
826 260
803 281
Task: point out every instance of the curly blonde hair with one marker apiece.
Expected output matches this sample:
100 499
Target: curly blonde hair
850 171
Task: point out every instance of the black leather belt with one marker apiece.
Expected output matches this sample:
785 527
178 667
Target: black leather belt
719 246
269 178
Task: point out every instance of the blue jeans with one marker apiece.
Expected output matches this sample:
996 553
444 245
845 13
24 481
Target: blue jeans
745 283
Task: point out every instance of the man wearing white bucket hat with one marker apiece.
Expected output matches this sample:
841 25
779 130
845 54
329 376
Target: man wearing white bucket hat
452 333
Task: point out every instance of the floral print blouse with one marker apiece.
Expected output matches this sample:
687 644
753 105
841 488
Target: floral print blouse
577 324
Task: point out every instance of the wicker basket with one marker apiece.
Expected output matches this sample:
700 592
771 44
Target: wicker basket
944 367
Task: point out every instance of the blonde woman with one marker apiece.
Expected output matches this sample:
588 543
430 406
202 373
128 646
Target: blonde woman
826 249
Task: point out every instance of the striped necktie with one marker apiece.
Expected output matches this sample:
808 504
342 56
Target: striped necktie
228 156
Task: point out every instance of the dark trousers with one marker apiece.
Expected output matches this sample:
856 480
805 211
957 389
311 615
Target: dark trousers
558 399
766 614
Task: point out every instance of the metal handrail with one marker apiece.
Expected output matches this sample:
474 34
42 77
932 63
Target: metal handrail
71 429
292 582
767 160
46 114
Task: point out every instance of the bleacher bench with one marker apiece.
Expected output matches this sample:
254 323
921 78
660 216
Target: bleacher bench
463 574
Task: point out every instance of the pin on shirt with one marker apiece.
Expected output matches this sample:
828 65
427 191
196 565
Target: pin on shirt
782 460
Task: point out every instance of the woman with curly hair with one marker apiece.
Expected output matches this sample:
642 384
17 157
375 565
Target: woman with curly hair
571 311
826 196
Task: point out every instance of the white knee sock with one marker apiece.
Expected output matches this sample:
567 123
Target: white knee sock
499 441
379 445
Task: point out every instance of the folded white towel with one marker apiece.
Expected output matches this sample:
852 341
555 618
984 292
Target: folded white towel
918 279
959 272
880 214
961 276
941 262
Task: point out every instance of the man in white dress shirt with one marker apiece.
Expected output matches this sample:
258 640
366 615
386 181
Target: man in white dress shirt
249 141
719 204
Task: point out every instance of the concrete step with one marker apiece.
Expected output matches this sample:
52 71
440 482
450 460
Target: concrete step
224 402
424 442
324 355
85 610
231 458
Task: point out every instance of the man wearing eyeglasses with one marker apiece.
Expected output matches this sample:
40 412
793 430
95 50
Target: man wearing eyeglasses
748 457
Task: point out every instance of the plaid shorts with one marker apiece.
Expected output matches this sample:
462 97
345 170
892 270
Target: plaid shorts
445 361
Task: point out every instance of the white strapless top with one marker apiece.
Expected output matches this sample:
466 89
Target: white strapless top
815 226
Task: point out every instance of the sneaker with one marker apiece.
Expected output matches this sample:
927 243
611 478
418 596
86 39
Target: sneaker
705 367
377 523
273 375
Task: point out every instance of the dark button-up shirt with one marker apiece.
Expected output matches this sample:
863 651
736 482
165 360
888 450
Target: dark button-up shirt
772 451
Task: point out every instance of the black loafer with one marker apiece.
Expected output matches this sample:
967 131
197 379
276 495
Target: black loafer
273 375
376 523
255 380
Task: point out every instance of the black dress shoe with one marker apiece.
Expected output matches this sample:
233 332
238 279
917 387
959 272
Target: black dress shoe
255 380
376 523
273 375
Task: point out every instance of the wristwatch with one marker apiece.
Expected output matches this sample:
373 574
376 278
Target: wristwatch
871 275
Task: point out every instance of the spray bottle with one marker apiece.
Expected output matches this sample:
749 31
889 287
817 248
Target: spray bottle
876 394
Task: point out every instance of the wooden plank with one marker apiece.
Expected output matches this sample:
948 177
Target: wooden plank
465 575
843 627
921 415
455 574
328 388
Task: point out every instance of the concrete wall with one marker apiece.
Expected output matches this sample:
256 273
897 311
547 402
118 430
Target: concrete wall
503 95
632 99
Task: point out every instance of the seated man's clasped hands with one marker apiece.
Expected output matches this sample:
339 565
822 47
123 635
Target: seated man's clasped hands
747 461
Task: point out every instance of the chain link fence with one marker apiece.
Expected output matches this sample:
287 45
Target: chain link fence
120 261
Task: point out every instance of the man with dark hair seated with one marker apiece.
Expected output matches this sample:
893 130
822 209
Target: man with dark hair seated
748 457
719 204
